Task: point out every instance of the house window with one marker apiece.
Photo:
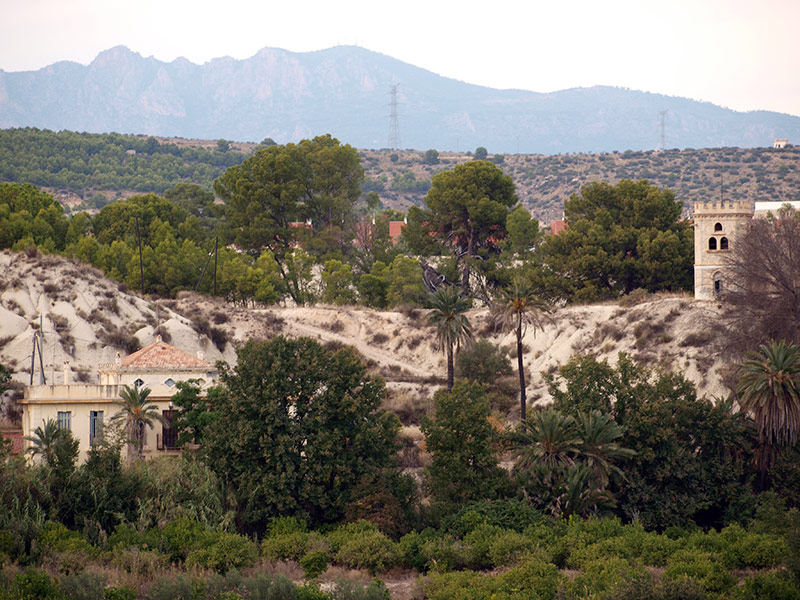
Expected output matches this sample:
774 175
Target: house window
712 243
138 383
723 244
169 382
95 426
64 420
717 226
169 435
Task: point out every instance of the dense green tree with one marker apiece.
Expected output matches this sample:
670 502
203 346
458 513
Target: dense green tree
406 287
514 309
26 213
337 283
619 238
316 180
466 211
483 362
692 455
463 447
524 234
197 410
481 153
373 287
431 157
769 390
308 429
453 328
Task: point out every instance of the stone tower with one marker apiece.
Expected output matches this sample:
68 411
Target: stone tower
716 225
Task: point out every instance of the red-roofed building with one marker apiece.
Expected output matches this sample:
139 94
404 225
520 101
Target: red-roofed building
557 227
395 229
84 408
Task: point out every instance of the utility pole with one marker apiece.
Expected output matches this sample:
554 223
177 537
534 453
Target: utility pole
141 266
394 128
662 124
216 242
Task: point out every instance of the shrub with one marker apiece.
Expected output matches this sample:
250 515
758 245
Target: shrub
601 576
175 588
760 551
509 548
533 580
701 567
379 339
369 550
83 586
122 592
478 542
292 545
310 592
444 554
353 590
775 585
56 537
225 551
134 560
516 515
180 537
315 563
33 584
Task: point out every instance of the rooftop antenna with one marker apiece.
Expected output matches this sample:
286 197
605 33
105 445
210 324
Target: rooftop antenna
394 129
662 126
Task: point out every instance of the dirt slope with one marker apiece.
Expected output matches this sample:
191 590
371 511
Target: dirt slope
87 319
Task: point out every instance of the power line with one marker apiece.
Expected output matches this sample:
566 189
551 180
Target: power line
394 128
662 125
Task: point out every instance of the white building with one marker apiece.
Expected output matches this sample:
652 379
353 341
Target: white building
83 408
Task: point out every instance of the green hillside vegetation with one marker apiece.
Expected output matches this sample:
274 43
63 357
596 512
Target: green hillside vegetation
76 167
544 181
628 487
85 164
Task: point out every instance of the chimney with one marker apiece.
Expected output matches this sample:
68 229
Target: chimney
201 355
158 339
66 372
118 359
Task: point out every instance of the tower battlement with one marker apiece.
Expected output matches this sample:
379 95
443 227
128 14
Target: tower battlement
723 207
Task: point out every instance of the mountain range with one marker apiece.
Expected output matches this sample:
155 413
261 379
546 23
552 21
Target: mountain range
345 91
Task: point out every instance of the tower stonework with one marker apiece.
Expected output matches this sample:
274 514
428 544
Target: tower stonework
716 225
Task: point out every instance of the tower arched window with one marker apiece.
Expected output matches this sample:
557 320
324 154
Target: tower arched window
723 243
717 283
717 226
712 243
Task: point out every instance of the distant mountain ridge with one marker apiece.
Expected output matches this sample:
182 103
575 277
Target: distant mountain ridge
345 91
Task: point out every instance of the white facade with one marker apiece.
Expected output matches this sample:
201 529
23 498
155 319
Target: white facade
84 408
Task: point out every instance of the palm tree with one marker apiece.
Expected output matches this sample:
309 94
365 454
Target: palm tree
44 440
136 414
549 440
769 390
598 447
515 309
452 325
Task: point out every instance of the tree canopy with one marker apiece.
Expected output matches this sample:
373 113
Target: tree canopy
309 431
466 212
619 238
316 181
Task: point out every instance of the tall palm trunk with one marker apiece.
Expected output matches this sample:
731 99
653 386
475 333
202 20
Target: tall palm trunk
523 402
450 369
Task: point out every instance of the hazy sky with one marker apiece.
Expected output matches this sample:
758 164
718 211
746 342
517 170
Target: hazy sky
741 54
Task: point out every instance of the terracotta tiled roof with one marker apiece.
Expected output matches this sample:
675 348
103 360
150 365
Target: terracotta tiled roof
159 355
